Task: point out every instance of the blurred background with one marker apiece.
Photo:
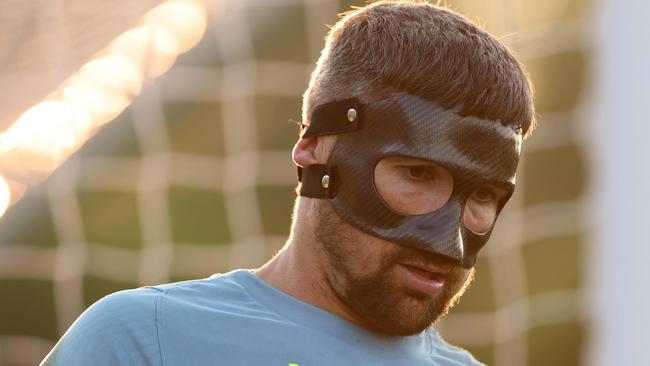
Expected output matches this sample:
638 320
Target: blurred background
144 144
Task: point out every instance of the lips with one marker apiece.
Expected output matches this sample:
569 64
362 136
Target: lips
424 280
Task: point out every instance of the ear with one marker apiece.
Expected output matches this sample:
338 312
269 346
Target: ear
304 152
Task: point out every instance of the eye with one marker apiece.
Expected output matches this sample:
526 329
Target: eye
411 186
484 194
418 172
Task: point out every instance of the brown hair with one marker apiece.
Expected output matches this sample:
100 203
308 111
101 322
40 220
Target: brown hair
391 47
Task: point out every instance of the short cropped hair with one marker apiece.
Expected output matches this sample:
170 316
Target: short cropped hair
395 47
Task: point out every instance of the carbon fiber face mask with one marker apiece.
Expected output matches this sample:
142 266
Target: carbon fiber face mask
474 151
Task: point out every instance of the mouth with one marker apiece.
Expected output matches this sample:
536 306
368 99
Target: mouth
426 280
431 274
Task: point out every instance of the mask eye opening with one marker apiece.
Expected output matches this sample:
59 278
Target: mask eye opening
483 204
410 186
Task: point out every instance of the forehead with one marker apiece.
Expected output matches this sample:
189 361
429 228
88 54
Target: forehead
412 126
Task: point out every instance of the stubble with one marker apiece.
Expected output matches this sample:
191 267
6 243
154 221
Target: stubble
366 281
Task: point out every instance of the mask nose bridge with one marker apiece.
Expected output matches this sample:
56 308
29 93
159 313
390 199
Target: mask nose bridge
446 226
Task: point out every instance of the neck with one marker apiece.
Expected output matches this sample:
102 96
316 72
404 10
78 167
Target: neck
298 270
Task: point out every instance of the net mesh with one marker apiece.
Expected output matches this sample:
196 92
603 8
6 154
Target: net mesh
196 178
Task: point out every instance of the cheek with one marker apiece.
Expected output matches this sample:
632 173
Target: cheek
373 256
349 251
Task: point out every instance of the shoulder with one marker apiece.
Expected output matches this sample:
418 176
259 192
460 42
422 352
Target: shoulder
450 355
124 327
212 291
118 329
123 310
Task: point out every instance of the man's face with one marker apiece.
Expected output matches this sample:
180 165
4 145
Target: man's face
420 190
379 280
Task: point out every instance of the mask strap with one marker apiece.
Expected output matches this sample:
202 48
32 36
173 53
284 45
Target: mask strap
334 118
318 181
343 116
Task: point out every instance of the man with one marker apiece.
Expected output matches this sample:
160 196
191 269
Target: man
413 119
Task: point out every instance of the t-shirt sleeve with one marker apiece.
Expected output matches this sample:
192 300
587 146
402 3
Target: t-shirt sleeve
119 329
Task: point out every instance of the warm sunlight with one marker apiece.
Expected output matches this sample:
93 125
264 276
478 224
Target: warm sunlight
5 196
45 135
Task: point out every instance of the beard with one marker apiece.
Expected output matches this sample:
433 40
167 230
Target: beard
374 294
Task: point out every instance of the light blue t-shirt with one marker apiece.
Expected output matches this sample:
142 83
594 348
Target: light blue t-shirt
233 319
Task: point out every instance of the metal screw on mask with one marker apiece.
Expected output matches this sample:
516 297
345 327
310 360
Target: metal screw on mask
413 143
352 114
325 182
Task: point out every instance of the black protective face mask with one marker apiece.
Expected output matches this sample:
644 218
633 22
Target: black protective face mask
476 152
